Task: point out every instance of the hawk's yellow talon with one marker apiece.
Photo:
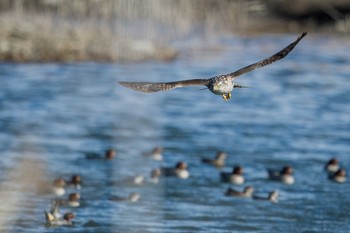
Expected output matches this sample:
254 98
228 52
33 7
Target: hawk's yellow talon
227 96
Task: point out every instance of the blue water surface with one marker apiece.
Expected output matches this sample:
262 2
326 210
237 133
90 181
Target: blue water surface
295 112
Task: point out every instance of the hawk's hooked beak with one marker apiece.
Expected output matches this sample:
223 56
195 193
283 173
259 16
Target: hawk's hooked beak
227 96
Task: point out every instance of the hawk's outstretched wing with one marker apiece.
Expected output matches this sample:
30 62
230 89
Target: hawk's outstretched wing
281 54
149 87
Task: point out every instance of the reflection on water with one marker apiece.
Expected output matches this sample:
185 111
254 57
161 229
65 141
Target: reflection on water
295 112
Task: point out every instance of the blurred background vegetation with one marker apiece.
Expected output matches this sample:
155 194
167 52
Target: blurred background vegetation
135 30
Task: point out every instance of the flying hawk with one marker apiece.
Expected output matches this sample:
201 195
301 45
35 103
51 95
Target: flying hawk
219 85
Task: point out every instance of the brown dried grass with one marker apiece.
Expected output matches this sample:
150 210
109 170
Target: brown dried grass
107 30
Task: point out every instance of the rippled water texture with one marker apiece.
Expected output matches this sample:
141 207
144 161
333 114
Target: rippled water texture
295 112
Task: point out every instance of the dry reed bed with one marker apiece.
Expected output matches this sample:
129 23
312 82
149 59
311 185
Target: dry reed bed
107 30
122 30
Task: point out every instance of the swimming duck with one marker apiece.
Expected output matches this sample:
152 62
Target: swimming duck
247 192
74 182
332 166
53 221
155 174
219 160
180 171
234 177
58 187
109 155
54 210
285 175
339 176
133 197
132 180
155 154
272 197
138 180
72 201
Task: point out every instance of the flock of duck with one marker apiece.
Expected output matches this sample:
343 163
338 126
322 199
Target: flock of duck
285 175
180 170
219 85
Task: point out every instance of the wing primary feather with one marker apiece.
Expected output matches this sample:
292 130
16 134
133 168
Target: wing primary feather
277 56
150 87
